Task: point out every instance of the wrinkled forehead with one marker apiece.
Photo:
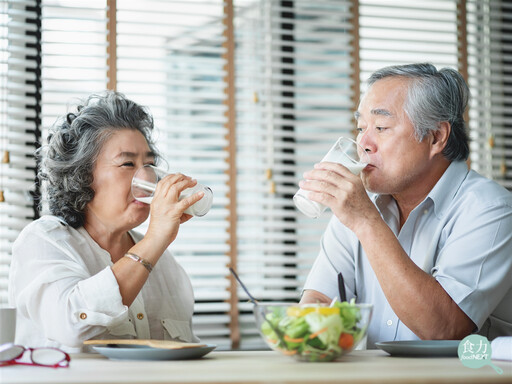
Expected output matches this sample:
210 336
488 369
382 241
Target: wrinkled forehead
386 97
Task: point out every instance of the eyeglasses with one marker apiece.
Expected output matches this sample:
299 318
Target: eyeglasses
11 354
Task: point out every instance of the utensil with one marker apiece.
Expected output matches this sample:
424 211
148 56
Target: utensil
341 288
255 302
251 297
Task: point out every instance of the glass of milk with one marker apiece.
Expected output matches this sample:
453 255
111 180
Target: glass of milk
144 184
346 152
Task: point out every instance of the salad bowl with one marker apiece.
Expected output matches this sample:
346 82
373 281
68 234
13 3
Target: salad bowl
313 332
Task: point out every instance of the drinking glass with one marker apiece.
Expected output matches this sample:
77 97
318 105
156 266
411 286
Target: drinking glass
144 184
346 152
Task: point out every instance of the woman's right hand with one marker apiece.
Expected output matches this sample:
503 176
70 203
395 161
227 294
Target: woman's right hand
167 211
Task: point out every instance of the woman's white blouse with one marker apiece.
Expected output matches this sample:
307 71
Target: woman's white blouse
65 292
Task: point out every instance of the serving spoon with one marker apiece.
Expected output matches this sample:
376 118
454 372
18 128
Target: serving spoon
341 291
259 308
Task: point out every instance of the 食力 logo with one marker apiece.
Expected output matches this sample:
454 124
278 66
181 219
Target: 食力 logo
475 352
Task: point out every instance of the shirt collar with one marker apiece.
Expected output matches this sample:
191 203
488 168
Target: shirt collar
441 195
448 185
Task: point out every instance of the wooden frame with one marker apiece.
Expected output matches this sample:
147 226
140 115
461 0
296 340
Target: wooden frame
229 80
356 73
112 45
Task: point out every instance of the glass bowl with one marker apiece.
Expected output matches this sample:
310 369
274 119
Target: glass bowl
313 332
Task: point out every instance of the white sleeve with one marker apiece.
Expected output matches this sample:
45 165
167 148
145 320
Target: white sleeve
51 286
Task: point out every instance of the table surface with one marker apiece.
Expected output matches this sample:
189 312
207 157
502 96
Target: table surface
260 367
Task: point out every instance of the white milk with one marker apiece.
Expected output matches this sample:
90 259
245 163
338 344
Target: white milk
337 154
200 208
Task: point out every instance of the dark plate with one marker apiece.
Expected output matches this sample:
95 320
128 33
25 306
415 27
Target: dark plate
417 348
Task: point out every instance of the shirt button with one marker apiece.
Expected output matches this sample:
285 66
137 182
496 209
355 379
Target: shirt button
389 322
425 211
140 316
83 316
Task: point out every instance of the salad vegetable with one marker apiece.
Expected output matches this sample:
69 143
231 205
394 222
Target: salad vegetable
313 333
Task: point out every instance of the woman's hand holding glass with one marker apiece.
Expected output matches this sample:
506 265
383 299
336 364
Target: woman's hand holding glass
167 211
146 178
174 199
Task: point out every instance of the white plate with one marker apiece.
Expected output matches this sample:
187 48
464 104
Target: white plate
140 352
415 348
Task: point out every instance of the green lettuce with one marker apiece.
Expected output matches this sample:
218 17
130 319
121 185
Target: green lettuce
318 322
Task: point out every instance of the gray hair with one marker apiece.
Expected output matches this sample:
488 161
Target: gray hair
434 97
69 158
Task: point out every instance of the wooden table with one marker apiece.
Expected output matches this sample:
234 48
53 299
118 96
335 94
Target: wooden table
260 367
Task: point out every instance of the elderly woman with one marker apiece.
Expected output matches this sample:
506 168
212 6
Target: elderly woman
82 272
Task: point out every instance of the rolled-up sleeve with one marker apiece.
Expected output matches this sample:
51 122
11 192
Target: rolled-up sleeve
52 289
475 264
98 301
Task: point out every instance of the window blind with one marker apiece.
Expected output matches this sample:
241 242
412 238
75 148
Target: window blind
394 32
18 123
170 58
293 100
489 35
74 55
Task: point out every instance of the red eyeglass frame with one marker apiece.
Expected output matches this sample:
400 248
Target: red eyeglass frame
64 363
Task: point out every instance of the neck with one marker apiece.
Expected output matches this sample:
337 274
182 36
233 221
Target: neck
116 243
412 197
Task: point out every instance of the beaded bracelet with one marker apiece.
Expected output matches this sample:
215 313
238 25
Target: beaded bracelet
139 259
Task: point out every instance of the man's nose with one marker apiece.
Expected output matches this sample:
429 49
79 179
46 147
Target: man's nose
365 141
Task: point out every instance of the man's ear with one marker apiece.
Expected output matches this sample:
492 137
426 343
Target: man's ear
440 137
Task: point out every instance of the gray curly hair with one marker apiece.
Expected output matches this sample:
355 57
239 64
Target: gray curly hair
434 97
69 158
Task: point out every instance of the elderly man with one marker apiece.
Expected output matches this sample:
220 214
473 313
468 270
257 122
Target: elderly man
430 245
